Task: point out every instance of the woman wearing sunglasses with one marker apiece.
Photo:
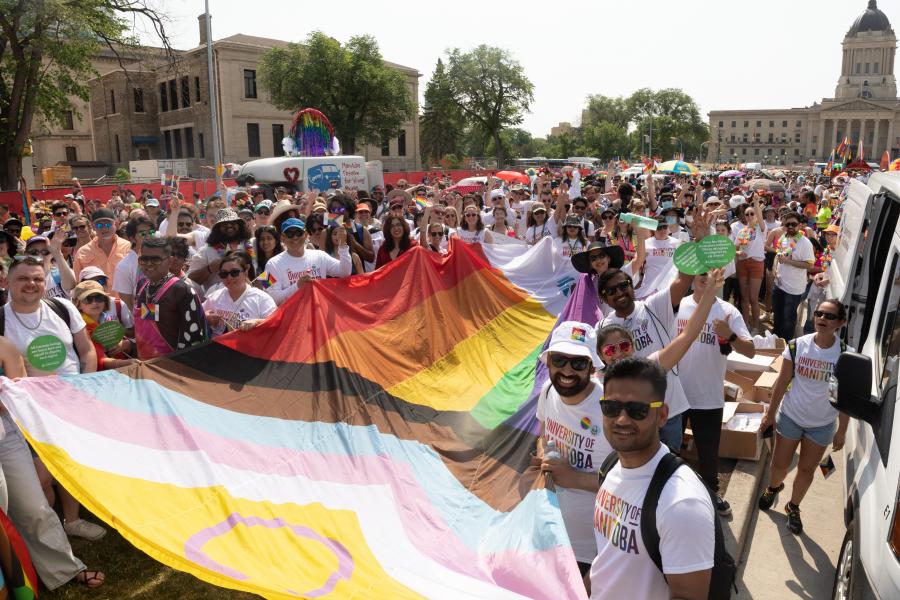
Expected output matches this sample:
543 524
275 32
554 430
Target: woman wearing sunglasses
538 225
96 308
472 230
615 342
801 413
236 304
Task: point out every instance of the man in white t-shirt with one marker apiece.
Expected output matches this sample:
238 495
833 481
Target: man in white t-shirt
794 258
137 229
702 375
633 411
659 269
287 271
569 413
652 325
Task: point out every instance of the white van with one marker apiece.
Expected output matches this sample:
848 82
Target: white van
313 173
865 275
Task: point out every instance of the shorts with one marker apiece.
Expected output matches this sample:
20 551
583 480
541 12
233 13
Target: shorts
770 261
750 268
788 428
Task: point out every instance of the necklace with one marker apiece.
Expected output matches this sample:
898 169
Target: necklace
22 323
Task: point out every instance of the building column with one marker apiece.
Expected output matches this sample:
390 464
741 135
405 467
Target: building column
890 136
821 145
862 135
876 146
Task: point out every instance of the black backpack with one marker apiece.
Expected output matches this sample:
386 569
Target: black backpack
724 570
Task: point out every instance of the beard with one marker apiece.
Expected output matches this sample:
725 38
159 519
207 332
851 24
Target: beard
570 389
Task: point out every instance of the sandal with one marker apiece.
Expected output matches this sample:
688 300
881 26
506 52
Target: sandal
90 579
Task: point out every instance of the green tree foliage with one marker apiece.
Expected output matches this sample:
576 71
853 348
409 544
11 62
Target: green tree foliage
441 120
363 98
602 108
605 140
491 90
45 59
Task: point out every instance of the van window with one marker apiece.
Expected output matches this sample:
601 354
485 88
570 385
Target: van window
889 359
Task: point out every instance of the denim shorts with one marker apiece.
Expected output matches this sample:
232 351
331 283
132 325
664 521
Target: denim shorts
788 428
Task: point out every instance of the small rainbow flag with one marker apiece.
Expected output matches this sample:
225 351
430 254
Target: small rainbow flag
148 311
266 279
422 203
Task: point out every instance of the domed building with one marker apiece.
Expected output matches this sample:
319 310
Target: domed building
864 108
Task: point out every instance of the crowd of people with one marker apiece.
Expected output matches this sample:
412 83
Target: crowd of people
130 278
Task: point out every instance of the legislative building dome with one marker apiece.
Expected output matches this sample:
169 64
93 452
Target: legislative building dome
872 19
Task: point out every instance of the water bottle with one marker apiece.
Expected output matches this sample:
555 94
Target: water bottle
551 452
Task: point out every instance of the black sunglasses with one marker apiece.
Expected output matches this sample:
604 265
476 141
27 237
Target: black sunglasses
62 213
94 298
619 287
579 363
436 233
597 256
821 314
230 273
37 252
264 212
294 233
637 411
792 224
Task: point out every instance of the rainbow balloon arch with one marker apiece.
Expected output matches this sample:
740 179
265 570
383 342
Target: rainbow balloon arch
311 134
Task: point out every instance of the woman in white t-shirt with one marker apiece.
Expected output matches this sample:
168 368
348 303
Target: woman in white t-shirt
472 230
236 304
750 238
802 415
538 224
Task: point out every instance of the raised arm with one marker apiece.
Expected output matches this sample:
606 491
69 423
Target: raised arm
678 347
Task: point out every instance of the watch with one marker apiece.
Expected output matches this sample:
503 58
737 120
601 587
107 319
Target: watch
732 338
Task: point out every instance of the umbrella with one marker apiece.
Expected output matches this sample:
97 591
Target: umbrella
513 176
466 189
677 166
895 166
764 184
731 173
479 181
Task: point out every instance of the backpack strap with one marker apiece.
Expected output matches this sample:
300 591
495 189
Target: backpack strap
606 466
650 535
61 311
792 349
3 320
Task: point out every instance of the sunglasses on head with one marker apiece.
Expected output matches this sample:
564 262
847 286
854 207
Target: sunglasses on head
636 411
579 363
230 273
619 287
609 350
821 314
294 233
147 233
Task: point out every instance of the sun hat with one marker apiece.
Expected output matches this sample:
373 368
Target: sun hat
225 215
498 193
575 339
573 221
88 288
37 239
712 200
281 207
833 229
293 223
319 206
151 202
90 272
582 260
538 206
402 194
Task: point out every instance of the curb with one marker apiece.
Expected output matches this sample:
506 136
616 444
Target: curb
743 490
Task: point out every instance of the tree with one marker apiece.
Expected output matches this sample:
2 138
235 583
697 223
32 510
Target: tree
491 89
605 108
441 120
45 59
606 140
365 100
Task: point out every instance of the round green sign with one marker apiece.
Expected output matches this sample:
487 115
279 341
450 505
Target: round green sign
716 251
108 334
46 353
689 260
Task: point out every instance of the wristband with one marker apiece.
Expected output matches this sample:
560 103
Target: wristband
732 338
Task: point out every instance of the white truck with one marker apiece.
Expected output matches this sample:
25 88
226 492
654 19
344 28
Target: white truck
865 275
313 173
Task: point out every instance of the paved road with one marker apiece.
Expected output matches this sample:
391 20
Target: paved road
778 564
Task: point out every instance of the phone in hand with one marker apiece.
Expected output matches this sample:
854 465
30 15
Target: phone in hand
768 432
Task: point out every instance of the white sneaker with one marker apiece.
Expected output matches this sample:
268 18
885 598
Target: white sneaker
84 529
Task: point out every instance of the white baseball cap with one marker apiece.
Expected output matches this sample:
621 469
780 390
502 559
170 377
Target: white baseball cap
498 193
737 200
575 339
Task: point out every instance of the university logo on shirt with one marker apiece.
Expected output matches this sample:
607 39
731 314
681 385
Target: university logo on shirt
618 521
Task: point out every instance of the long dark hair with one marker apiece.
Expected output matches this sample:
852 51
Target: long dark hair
405 242
215 235
261 258
479 224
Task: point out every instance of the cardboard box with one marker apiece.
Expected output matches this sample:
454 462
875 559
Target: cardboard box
742 445
756 386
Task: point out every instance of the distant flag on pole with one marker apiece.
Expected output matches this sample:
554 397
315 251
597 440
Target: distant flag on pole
830 165
860 153
885 161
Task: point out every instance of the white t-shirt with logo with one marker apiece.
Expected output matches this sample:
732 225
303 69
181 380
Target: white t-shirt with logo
286 270
569 248
806 402
684 520
45 322
659 269
702 370
652 327
577 430
252 304
791 279
126 275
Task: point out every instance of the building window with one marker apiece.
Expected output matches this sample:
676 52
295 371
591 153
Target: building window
721 124
771 137
734 123
189 142
143 153
173 94
163 98
250 87
196 89
277 136
68 120
112 101
252 138
759 123
732 138
118 150
176 136
744 151
138 100
799 124
797 138
385 147
167 136
746 123
769 152
771 123
875 68
756 137
401 143
202 145
784 123
796 151
857 68
71 154
815 140
744 138
185 92
867 67
783 151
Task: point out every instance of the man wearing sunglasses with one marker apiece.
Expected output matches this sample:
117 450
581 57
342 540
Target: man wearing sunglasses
633 413
794 259
569 412
287 271
106 250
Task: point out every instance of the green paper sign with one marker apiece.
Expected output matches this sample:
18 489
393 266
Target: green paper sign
108 334
689 260
46 352
716 251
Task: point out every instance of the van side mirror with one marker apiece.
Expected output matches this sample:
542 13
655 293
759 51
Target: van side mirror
854 388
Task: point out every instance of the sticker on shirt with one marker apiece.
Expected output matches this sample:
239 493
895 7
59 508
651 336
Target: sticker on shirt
573 446
46 353
108 334
149 311
618 521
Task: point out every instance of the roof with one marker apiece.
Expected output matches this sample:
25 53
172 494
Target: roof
872 19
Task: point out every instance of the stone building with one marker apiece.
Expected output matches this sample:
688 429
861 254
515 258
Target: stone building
864 108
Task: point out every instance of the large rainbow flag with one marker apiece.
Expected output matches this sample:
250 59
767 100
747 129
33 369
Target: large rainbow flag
371 439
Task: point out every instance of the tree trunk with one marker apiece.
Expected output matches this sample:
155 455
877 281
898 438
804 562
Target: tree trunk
348 145
498 148
10 167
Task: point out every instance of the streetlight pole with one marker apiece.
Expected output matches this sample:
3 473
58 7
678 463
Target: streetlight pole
213 102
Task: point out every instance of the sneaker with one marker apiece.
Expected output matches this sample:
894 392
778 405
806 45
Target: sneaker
83 529
767 499
794 524
722 506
